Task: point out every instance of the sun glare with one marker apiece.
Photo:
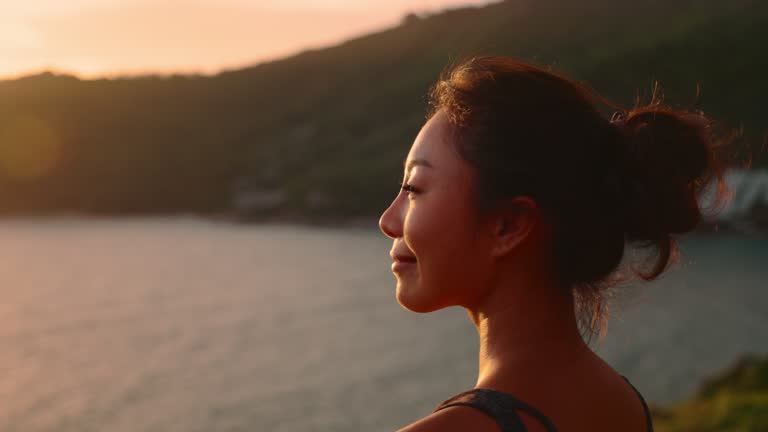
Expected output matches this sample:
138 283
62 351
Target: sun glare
93 38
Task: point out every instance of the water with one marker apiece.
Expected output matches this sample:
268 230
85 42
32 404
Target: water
190 325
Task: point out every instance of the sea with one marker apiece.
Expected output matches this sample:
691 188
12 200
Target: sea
186 324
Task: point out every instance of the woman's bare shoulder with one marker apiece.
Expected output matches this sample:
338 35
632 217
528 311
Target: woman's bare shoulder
453 419
463 419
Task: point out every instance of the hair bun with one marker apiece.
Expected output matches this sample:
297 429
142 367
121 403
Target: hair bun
667 154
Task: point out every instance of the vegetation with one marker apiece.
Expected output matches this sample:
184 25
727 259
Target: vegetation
735 401
322 135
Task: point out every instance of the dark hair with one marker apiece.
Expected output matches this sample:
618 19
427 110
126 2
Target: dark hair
603 183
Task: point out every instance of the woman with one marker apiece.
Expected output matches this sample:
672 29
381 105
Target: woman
517 202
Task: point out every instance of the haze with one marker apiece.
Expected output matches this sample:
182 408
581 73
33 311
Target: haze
92 38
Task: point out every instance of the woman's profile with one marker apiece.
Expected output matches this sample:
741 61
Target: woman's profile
520 202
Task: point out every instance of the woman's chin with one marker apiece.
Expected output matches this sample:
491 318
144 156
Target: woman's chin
410 298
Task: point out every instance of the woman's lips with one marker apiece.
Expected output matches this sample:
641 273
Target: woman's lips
403 263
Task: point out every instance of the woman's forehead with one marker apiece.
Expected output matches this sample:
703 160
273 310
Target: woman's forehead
433 149
430 144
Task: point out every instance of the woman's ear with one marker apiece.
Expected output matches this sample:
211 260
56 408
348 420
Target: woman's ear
512 223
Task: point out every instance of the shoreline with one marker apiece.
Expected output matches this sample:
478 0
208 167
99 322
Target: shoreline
352 222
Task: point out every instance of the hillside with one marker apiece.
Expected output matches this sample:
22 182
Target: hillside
322 134
734 401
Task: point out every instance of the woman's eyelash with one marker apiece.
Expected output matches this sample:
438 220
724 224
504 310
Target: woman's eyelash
406 187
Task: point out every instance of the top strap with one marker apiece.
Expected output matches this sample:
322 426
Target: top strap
648 418
501 407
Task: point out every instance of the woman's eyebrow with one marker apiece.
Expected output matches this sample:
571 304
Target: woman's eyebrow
413 162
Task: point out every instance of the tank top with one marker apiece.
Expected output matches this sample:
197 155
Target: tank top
502 407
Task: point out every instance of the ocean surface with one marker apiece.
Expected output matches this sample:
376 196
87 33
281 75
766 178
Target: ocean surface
182 324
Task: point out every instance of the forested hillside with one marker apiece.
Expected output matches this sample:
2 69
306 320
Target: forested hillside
323 133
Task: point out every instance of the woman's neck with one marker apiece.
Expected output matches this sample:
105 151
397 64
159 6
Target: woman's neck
526 328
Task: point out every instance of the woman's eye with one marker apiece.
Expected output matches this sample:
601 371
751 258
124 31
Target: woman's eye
408 188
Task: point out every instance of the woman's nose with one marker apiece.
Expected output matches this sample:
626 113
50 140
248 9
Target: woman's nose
390 221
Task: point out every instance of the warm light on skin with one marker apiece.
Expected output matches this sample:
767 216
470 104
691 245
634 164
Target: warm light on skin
437 224
497 266
113 37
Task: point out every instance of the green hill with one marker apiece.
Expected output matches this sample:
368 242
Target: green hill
322 134
734 401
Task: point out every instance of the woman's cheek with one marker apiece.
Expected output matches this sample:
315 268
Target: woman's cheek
415 230
438 254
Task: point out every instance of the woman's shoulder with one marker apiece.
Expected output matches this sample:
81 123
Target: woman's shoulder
453 419
542 409
461 418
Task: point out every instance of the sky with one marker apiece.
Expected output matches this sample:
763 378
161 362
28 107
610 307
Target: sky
93 38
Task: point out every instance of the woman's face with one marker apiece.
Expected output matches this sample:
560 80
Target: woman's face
440 253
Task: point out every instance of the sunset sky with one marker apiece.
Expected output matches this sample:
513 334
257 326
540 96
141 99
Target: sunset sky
126 37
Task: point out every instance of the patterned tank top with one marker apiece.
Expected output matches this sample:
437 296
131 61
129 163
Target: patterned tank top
503 407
